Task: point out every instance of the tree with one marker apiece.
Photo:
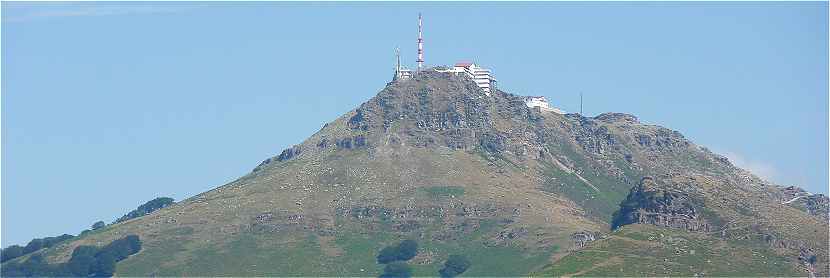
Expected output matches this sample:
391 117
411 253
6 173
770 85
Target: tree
33 245
15 251
404 251
396 269
147 208
98 225
82 261
407 249
85 261
455 265
388 254
105 265
11 252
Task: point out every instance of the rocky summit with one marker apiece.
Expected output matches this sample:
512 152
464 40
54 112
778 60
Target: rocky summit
477 184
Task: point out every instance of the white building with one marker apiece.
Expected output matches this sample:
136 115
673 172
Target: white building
542 103
481 76
401 72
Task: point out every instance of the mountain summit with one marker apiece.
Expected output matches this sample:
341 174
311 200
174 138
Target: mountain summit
483 185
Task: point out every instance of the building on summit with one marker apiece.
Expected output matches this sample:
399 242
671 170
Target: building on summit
481 76
401 72
542 103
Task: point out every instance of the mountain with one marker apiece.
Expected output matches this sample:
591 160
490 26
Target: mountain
512 190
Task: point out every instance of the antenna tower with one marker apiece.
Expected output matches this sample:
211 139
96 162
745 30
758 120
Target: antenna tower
580 103
420 43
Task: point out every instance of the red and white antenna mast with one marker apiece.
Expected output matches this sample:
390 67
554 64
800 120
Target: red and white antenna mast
420 43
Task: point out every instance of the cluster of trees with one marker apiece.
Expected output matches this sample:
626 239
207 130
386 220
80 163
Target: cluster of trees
395 258
86 261
396 270
15 251
455 265
147 208
404 251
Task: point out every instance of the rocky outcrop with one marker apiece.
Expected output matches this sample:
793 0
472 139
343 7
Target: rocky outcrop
352 142
818 205
289 153
617 117
649 203
580 239
814 204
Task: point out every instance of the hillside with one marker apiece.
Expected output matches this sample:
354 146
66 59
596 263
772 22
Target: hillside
513 189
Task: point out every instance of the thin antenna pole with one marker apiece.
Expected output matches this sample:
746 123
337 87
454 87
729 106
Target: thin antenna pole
580 103
420 43
398 58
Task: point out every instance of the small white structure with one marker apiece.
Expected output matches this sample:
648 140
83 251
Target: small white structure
401 72
481 76
542 103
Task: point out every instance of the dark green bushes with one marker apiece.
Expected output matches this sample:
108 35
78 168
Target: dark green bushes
15 251
396 270
404 251
147 208
98 225
455 265
85 261
395 257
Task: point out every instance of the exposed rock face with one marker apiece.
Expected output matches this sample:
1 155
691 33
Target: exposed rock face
649 203
289 153
580 239
617 117
818 205
815 204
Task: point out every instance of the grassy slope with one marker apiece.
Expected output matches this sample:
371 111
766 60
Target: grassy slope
192 247
349 252
643 250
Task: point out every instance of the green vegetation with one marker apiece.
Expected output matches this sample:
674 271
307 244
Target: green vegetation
98 225
85 261
396 270
600 204
644 250
15 251
404 251
455 265
147 208
350 251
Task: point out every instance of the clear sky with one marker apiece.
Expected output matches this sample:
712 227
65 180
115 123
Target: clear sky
108 105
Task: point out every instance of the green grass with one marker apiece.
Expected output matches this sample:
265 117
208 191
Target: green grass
351 251
642 250
599 204
361 249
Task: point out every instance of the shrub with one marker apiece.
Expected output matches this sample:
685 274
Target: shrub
98 225
455 265
11 252
147 208
396 269
15 251
82 260
388 254
404 251
407 249
85 261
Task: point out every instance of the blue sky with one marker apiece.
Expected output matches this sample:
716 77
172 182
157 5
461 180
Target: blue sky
108 105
